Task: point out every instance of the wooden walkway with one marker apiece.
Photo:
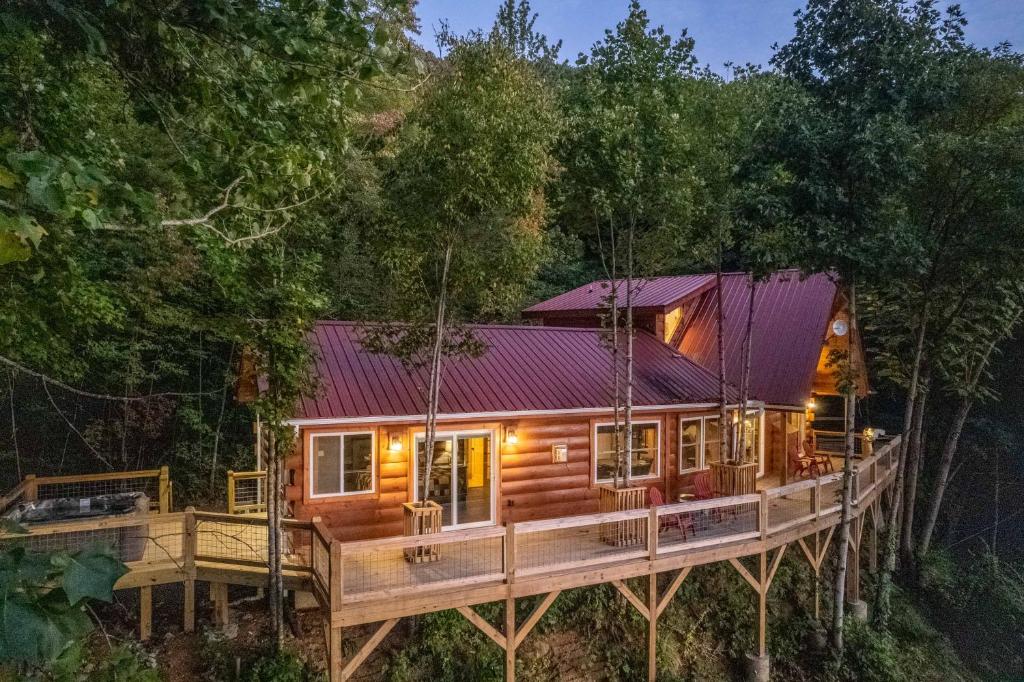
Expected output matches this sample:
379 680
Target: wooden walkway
371 581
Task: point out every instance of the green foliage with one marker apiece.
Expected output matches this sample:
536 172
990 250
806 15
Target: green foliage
125 663
42 614
283 667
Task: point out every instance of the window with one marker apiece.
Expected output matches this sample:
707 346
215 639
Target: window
342 464
712 442
645 450
691 435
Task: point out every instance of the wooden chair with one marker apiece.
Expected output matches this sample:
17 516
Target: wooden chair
680 521
823 460
803 467
702 486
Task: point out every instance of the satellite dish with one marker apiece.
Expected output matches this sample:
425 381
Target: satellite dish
840 327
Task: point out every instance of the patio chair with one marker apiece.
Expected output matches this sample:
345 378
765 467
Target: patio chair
680 521
702 486
823 460
802 466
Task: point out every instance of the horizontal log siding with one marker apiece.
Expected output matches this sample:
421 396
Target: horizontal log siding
530 485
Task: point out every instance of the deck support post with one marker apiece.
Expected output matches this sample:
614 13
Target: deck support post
760 664
857 607
510 639
145 612
189 550
334 655
219 597
652 627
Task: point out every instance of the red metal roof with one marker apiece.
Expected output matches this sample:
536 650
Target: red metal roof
657 293
791 317
523 368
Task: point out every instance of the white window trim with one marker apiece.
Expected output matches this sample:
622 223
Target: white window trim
657 455
700 445
341 468
455 435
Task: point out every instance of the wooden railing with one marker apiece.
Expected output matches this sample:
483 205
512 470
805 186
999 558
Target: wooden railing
155 483
376 569
247 492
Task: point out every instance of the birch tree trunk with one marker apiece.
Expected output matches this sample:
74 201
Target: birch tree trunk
723 417
913 468
883 593
276 579
838 611
740 455
949 452
434 390
628 411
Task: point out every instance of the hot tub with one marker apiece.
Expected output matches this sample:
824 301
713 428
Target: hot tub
79 516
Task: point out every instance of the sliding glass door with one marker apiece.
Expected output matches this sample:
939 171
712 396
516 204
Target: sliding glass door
461 477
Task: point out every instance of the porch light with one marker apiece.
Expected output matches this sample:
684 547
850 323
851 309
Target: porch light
396 444
812 405
510 436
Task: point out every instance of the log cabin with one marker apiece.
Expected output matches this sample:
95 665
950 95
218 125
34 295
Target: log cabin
526 430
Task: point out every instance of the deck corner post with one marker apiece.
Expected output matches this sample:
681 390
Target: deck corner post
336 571
231 492
652 533
189 551
165 490
31 491
763 515
510 552
817 498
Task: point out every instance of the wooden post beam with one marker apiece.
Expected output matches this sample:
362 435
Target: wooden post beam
190 569
672 589
366 649
484 627
510 639
742 570
652 624
632 598
536 615
145 612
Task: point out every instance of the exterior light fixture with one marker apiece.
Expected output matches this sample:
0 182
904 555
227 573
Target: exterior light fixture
510 436
812 405
396 444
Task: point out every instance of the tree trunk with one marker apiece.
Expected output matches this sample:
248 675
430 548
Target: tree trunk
434 390
949 452
723 417
276 579
740 455
839 588
912 470
883 593
628 407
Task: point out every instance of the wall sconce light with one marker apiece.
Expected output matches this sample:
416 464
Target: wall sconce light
510 436
396 444
812 405
869 433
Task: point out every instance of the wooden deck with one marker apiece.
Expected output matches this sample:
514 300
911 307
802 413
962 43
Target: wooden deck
370 581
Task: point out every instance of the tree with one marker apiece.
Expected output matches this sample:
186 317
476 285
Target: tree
869 74
629 179
514 29
466 206
167 175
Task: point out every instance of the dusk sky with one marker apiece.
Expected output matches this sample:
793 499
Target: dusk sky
725 30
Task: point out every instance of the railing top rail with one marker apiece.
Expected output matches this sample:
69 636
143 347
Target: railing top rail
87 478
85 525
713 503
579 520
791 488
247 474
445 538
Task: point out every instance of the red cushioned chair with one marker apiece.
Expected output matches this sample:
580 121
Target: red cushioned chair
680 521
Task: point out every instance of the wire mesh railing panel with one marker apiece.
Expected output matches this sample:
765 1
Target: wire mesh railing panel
790 506
688 524
112 486
593 539
367 570
149 540
219 540
249 493
320 559
864 484
831 493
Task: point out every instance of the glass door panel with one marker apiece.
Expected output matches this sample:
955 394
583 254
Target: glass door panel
440 487
473 478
